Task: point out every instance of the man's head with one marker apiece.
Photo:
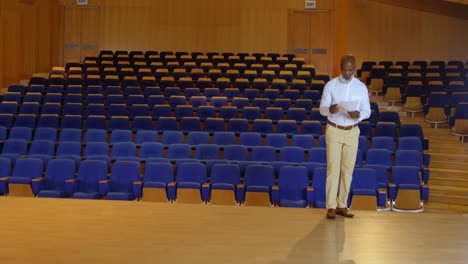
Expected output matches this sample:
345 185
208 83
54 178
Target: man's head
348 66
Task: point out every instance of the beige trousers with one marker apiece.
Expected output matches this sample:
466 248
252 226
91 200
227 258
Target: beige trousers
342 148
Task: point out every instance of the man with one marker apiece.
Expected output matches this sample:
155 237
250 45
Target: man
345 101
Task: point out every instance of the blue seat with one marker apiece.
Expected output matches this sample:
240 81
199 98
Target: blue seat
224 187
293 187
31 108
271 94
311 127
238 125
188 124
414 130
263 154
6 120
9 108
228 112
48 120
289 156
97 151
95 135
296 114
319 179
71 121
152 152
52 109
224 138
261 103
317 158
251 113
390 116
379 157
206 111
123 183
42 149
197 101
364 192
207 152
306 104
156 178
181 111
86 184
24 171
96 122
124 151
304 141
53 184
213 125
198 137
45 133
69 150
236 154
166 123
365 129
258 183
138 110
142 123
24 133
250 139
251 94
14 149
72 109
283 103
118 123
383 142
386 129
277 140
274 113
240 102
263 126
406 190
412 158
3 133
119 135
190 177
172 137
179 152
28 121
143 136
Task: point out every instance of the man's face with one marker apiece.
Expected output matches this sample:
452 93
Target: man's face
347 69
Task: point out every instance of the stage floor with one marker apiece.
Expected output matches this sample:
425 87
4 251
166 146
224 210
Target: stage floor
35 230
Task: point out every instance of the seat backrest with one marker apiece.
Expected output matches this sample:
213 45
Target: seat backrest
5 167
406 175
263 153
250 139
224 138
179 151
28 167
364 178
123 149
408 158
123 174
379 157
191 172
293 182
276 140
158 172
303 141
151 150
90 173
57 172
42 147
235 152
225 173
207 152
172 137
319 179
17 146
318 155
259 175
292 154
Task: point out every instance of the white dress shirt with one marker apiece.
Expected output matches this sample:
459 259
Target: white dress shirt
339 90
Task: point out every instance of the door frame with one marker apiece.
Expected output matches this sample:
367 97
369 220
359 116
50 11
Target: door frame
330 48
62 31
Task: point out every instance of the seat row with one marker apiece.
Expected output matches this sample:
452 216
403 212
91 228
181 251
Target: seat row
190 183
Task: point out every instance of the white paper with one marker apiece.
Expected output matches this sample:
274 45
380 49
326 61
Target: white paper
349 106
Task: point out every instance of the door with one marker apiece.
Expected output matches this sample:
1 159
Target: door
80 33
310 38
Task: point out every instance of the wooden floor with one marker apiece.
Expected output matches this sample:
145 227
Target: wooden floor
37 230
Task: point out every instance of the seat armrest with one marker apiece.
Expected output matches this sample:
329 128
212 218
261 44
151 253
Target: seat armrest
171 190
240 193
274 196
206 192
310 195
37 185
137 185
392 191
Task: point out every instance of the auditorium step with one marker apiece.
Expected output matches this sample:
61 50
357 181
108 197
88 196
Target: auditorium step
447 157
451 199
433 207
449 177
448 165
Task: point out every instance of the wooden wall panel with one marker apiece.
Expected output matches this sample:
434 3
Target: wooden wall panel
31 30
383 32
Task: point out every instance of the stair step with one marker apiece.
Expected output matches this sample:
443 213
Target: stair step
447 149
448 157
433 207
448 165
448 199
450 190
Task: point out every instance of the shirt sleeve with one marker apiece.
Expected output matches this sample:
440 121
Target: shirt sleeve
326 100
364 107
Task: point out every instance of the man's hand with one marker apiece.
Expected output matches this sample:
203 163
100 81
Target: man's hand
333 109
354 114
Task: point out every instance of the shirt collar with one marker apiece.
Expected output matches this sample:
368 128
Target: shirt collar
344 81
